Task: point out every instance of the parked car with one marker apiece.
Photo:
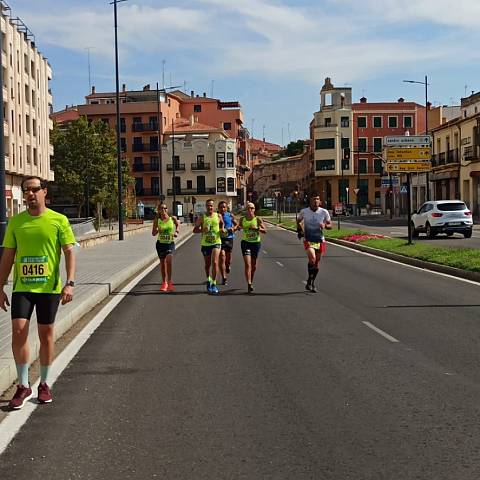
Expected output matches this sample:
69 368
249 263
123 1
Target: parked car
442 216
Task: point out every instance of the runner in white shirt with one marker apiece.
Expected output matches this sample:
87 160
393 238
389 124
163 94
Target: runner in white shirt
310 224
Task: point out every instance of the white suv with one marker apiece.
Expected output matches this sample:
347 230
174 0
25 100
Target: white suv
442 216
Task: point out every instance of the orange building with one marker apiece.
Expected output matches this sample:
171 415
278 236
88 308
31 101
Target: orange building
142 134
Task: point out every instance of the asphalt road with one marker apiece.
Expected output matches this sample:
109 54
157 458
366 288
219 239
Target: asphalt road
282 384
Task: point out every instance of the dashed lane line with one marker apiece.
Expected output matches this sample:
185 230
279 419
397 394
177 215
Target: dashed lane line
380 332
280 264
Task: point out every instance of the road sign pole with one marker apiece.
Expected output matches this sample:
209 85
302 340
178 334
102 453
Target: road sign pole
409 209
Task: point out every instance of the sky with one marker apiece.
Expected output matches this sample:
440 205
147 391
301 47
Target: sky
270 55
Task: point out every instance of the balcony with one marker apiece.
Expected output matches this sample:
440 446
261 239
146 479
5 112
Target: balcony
200 166
145 147
146 167
123 128
179 167
192 191
147 192
145 127
441 158
326 125
471 153
452 156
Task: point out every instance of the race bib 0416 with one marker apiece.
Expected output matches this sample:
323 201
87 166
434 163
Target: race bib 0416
34 269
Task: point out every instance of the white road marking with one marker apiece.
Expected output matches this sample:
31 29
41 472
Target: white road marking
264 252
15 420
380 332
280 264
304 282
406 265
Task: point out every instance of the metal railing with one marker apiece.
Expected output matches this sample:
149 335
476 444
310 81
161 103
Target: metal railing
178 167
145 167
145 147
145 127
200 166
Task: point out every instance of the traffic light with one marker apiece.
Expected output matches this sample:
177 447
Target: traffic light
346 153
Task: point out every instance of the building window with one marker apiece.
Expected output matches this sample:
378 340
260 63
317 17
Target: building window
220 159
407 122
189 184
201 160
328 122
378 183
230 184
345 142
221 184
324 143
362 165
377 122
323 165
377 144
362 144
344 121
230 160
362 122
377 165
227 126
197 108
105 121
392 122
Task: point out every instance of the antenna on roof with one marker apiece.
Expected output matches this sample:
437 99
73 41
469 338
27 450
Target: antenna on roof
211 90
89 73
184 86
253 121
465 87
288 129
163 74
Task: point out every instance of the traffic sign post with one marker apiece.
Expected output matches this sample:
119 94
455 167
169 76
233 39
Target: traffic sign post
409 207
408 167
413 153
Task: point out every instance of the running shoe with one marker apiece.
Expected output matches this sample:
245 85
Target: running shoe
164 287
308 285
313 289
214 289
21 396
224 281
170 288
44 394
250 288
227 268
209 287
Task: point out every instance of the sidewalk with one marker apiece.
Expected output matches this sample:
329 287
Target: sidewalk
100 270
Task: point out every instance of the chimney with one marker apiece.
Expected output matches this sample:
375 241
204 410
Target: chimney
66 107
124 87
93 89
192 120
146 88
363 100
204 95
192 93
429 105
401 100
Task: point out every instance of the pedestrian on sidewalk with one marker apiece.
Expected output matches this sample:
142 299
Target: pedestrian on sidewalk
33 245
166 227
210 225
311 222
252 227
230 225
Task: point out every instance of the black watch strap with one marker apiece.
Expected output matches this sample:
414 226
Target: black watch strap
70 283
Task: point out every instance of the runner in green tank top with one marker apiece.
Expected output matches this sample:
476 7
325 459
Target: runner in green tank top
166 229
210 226
33 245
252 226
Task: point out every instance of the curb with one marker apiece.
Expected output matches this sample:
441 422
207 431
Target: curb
8 372
415 262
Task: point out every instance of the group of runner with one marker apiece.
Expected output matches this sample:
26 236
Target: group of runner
218 228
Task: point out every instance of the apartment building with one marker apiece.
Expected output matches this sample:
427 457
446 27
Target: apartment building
331 132
200 163
456 156
142 136
27 104
372 121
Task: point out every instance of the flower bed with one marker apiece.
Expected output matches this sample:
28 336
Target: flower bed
361 237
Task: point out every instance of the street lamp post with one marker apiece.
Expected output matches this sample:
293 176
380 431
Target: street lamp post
117 101
425 82
3 199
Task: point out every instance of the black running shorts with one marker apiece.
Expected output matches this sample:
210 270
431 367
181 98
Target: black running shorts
46 305
250 248
164 249
227 244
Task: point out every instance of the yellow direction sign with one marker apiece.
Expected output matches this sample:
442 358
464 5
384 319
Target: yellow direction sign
408 154
406 167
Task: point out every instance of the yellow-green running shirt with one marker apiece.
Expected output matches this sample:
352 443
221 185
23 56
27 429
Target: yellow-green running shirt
38 241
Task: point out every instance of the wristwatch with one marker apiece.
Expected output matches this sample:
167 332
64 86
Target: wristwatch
70 283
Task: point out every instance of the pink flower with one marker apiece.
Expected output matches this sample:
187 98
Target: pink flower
361 237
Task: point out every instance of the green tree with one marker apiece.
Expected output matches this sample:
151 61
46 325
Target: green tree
85 153
294 148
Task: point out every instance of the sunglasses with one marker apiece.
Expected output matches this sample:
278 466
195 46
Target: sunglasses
162 208
31 189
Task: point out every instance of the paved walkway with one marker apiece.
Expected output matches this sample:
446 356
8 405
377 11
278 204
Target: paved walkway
100 270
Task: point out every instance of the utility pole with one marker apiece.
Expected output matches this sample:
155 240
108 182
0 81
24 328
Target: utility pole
174 188
3 197
119 153
159 142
